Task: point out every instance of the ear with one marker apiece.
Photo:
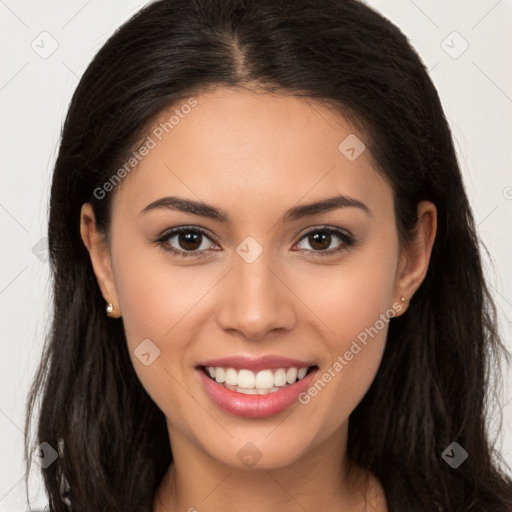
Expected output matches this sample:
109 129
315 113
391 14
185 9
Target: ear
99 253
415 255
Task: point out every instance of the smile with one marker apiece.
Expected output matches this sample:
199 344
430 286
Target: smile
255 394
255 383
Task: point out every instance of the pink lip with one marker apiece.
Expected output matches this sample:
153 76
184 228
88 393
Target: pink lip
256 364
255 406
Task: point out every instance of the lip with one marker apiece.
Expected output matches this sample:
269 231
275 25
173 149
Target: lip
255 406
255 364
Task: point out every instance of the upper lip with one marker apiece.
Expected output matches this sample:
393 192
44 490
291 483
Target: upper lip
257 363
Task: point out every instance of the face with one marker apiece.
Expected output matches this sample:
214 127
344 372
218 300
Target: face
257 282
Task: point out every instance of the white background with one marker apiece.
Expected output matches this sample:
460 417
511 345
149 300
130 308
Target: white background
475 88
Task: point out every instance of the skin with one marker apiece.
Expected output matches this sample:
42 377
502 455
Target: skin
256 155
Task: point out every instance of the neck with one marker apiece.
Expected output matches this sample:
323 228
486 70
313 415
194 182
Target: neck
323 478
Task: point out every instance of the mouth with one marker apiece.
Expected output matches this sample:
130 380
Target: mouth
257 393
262 382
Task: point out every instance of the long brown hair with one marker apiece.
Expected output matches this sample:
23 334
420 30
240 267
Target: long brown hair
432 387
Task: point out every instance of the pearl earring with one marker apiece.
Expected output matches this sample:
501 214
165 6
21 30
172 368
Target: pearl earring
109 308
403 299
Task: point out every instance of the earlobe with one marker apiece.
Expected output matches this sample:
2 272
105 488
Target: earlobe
95 242
415 256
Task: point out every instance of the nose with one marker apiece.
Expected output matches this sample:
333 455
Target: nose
256 299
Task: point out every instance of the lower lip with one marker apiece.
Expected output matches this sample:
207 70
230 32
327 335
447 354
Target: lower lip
255 406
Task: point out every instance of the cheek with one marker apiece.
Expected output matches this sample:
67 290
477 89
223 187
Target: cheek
158 302
351 296
156 296
354 308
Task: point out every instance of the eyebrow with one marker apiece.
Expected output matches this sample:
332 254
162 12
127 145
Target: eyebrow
297 212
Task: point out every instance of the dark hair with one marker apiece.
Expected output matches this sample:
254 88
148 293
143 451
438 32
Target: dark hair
431 388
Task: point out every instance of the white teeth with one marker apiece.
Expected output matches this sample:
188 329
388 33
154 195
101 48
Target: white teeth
280 377
264 379
231 377
247 391
291 375
250 383
254 391
246 379
220 375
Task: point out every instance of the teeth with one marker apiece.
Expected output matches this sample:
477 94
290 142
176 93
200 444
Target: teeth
280 377
264 380
301 373
250 383
246 379
291 375
220 375
231 377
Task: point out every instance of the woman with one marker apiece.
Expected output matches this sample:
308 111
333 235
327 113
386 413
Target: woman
268 293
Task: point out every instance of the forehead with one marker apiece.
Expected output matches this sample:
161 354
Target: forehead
253 146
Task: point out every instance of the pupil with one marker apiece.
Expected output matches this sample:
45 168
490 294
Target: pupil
319 239
189 241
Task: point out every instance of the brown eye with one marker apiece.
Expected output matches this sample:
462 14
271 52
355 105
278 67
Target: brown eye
185 242
320 241
189 241
324 241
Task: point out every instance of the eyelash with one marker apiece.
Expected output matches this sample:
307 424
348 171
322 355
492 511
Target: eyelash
347 239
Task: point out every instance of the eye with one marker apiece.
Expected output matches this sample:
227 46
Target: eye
193 241
321 239
185 241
